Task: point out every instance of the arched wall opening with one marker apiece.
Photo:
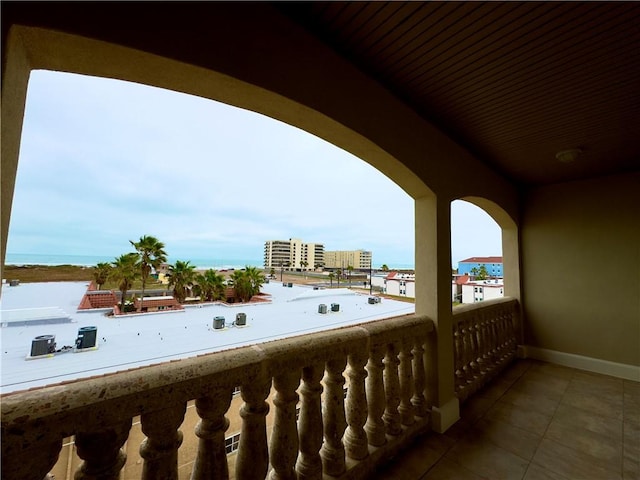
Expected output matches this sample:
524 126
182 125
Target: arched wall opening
69 55
292 78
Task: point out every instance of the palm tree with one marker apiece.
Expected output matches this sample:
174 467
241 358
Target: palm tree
181 276
384 268
331 277
125 270
349 269
339 272
152 255
101 273
210 285
247 282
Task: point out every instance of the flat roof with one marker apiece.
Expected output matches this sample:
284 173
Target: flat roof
126 342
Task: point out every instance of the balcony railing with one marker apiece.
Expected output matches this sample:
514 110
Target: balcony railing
386 406
485 341
384 364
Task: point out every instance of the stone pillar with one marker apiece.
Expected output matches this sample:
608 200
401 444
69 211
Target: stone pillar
309 466
433 298
333 416
160 448
376 398
102 453
252 461
211 459
355 438
284 438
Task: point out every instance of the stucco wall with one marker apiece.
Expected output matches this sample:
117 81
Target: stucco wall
581 268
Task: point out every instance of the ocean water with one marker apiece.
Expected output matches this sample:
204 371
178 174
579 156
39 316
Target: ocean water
92 260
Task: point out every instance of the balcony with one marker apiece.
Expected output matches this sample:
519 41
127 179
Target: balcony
388 366
535 421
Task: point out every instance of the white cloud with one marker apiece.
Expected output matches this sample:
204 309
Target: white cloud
103 160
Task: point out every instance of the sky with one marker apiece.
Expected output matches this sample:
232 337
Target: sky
103 162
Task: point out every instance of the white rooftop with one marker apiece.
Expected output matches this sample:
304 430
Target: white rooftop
133 341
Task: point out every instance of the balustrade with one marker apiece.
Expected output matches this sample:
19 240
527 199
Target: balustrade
484 342
382 364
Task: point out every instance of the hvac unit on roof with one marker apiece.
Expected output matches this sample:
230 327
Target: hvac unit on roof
43 345
218 322
86 337
241 319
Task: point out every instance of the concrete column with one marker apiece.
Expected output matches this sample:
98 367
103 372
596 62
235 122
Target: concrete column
433 298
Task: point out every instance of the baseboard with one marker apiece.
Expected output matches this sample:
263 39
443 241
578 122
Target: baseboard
595 365
443 417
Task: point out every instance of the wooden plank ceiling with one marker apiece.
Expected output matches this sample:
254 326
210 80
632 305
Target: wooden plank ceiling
514 82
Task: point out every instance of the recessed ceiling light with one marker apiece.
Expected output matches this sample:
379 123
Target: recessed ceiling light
568 156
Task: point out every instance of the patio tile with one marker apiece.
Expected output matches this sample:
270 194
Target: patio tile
607 450
591 421
536 472
534 422
487 460
449 470
513 439
573 463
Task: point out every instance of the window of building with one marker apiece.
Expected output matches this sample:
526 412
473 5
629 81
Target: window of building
231 443
236 391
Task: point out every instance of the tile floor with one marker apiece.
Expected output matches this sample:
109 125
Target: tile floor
536 421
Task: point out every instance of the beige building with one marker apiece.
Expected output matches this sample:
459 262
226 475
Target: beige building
293 254
358 259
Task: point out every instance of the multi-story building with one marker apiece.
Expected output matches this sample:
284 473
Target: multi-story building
293 254
492 264
482 290
401 284
358 259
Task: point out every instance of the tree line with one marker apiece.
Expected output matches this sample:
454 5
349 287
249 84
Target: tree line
149 254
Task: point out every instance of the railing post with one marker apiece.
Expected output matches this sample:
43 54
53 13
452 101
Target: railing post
102 453
332 452
284 438
376 398
252 461
211 459
309 465
419 400
160 448
36 461
391 415
355 438
406 410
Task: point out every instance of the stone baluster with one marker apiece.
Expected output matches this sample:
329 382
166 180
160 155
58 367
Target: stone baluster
485 342
406 410
309 465
102 453
284 437
252 461
332 452
160 449
458 356
355 438
211 459
35 461
419 400
374 427
472 327
466 349
391 415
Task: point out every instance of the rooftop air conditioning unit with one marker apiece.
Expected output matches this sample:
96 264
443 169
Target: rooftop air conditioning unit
241 319
322 308
86 337
218 322
43 345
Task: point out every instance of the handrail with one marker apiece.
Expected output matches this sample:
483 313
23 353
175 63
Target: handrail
485 342
385 407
